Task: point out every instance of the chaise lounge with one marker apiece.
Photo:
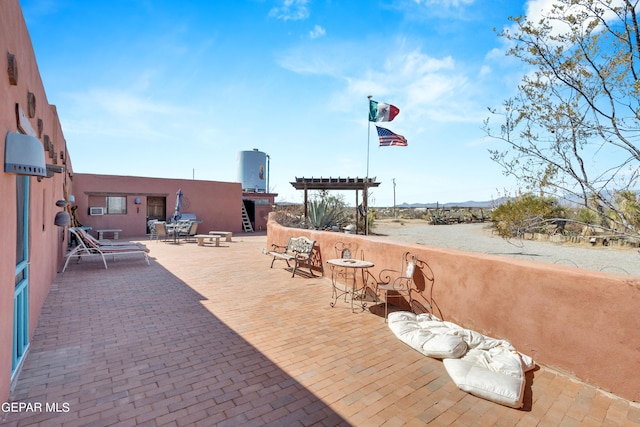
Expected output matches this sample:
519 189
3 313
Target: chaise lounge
89 246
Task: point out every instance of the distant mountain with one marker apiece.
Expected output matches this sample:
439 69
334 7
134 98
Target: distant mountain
468 204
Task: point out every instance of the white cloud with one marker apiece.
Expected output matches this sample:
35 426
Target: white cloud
441 7
537 9
294 10
425 87
323 59
317 31
124 103
417 63
445 3
122 114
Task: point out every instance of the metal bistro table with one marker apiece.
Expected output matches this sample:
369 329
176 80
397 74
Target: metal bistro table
347 268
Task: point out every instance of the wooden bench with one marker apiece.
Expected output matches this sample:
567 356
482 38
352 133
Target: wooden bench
115 232
201 238
297 250
226 234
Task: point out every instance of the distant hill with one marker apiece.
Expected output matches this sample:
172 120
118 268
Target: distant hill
468 204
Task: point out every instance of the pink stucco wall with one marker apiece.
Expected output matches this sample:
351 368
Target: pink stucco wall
45 239
217 204
580 322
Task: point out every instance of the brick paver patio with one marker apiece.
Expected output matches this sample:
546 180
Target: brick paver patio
212 336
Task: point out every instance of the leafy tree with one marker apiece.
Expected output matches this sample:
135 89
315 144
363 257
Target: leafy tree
572 128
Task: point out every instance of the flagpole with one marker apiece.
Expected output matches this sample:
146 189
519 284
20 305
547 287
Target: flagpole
368 130
365 198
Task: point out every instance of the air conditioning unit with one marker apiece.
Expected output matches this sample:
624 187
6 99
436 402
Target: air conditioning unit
96 211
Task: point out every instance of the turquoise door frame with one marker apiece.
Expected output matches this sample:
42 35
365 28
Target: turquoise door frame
21 293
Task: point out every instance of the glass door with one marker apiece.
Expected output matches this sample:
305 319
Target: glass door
21 294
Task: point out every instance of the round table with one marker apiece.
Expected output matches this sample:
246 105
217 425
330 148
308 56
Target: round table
347 268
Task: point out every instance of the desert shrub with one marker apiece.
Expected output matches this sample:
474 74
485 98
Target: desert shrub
371 216
586 216
628 212
526 213
289 215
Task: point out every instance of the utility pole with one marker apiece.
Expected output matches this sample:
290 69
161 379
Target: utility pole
394 199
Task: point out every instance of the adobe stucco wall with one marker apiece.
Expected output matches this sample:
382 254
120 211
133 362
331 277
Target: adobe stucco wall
580 322
45 239
217 204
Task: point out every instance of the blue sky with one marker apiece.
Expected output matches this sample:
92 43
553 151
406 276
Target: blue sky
178 88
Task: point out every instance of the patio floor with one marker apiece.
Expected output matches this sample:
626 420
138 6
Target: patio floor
212 336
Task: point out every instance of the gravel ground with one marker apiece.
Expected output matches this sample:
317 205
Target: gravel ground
478 238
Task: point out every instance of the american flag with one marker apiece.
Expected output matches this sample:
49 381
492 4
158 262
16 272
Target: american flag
390 139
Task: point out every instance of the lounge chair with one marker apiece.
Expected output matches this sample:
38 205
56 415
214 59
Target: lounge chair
88 247
104 242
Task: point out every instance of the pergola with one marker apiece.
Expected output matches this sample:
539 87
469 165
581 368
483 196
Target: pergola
357 184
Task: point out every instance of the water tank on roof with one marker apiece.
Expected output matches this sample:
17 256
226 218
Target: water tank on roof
252 170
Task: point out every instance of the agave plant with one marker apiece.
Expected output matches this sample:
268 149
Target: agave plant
323 215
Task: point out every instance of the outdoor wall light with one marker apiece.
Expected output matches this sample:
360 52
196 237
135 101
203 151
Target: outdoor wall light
62 218
137 201
24 155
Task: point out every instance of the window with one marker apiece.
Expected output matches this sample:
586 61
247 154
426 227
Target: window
113 205
116 205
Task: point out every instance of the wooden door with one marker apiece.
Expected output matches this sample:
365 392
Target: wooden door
156 209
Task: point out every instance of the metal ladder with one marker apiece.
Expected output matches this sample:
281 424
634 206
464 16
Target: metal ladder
246 223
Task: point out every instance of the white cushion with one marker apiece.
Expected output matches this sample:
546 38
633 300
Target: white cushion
427 334
485 367
493 375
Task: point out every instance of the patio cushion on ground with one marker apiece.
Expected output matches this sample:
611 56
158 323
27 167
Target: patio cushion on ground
496 374
427 334
485 367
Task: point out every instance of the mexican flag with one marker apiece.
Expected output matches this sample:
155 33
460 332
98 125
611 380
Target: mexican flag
381 112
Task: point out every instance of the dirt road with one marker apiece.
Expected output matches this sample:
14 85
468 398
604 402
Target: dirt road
478 238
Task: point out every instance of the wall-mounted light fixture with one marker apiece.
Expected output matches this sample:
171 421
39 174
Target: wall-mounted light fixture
62 218
137 201
24 155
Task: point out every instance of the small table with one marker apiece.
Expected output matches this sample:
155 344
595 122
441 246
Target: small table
115 232
353 265
226 234
202 237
